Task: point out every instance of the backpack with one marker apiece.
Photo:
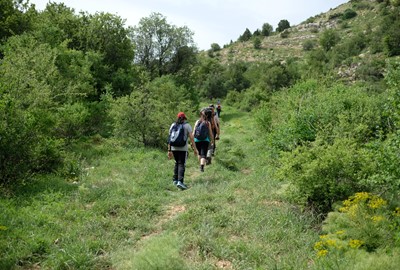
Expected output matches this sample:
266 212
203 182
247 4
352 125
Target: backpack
201 131
177 135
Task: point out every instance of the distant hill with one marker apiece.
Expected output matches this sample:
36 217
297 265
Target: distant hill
277 48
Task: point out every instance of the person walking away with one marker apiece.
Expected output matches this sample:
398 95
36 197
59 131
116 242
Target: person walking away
179 133
203 136
215 126
219 108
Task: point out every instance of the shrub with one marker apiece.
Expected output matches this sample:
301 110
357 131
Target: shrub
308 45
322 174
348 14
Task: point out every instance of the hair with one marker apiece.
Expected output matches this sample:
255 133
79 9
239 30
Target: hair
180 120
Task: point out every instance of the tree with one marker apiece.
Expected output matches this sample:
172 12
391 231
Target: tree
246 35
13 20
257 43
283 25
328 39
266 29
157 42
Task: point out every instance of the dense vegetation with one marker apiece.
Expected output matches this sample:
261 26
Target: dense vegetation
74 87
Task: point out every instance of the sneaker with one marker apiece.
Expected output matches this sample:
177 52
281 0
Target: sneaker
175 182
181 185
202 168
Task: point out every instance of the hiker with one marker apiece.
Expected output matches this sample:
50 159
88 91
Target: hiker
179 132
219 108
215 126
203 136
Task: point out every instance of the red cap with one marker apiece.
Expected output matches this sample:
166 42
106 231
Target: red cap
182 115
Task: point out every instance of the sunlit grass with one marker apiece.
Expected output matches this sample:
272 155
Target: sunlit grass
124 213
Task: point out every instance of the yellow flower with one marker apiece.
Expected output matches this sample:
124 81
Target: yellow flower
397 212
353 243
360 197
377 219
3 228
340 232
322 253
318 245
376 202
324 236
331 242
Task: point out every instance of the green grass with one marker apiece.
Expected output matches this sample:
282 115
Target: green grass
123 212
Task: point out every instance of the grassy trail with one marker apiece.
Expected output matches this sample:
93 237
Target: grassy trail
230 218
123 212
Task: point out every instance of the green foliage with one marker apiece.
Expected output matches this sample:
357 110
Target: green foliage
14 18
144 117
328 39
235 78
257 43
348 14
322 174
364 223
245 36
156 43
266 29
283 25
308 45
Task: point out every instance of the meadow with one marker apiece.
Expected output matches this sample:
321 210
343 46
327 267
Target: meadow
123 212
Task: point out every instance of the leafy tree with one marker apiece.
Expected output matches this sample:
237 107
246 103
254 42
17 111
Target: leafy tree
210 77
144 116
257 43
157 42
215 47
14 18
328 39
235 79
266 29
245 36
105 34
283 25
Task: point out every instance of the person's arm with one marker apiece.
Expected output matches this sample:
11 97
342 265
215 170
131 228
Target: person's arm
169 151
210 132
193 144
217 126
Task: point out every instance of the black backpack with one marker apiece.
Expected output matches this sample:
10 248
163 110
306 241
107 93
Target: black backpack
201 131
177 135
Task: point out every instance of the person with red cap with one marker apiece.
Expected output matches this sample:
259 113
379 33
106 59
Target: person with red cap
180 131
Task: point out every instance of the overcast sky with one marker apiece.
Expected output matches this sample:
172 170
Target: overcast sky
212 21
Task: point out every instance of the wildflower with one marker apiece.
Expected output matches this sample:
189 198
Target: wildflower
322 253
324 236
340 232
331 242
319 245
3 228
353 243
360 197
376 202
377 219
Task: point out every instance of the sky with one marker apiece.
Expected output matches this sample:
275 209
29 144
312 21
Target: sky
212 21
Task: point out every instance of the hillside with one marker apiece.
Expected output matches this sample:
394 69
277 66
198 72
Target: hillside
277 48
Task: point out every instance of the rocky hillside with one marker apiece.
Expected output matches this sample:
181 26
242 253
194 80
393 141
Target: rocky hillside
290 43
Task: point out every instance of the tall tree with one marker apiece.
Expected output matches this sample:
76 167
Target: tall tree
157 42
246 35
266 29
283 25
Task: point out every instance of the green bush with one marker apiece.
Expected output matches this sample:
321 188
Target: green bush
348 14
320 174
